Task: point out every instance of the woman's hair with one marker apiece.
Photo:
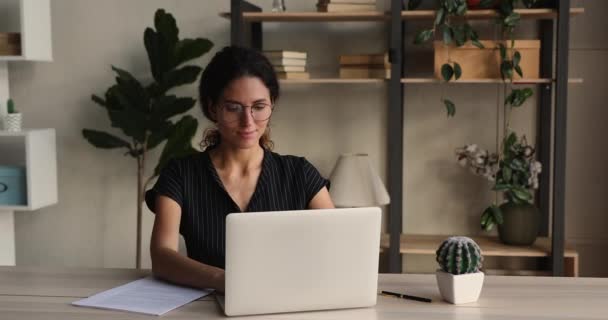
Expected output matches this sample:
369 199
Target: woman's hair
230 63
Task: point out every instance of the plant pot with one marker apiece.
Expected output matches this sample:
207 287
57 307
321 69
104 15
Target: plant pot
12 122
462 288
520 224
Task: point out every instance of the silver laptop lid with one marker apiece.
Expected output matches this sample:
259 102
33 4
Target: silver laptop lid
287 261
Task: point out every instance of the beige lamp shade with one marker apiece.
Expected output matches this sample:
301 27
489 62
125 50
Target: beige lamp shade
355 184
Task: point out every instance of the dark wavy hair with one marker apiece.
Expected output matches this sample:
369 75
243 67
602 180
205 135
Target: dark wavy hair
228 64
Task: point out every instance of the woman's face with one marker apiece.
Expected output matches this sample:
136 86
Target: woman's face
243 112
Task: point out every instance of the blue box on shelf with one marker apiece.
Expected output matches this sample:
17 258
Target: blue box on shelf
13 190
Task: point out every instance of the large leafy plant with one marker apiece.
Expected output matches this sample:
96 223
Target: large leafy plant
145 112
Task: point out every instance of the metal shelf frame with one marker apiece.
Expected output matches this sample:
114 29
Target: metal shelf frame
552 120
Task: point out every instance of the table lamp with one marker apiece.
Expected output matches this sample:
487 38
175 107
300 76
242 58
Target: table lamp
355 184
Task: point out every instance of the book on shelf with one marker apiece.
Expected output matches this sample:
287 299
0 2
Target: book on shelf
365 59
345 7
289 68
10 38
293 75
364 72
284 54
10 50
287 62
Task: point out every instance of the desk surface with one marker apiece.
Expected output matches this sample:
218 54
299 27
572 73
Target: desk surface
46 293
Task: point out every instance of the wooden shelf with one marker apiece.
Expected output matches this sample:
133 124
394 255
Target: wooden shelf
420 81
311 16
490 246
486 81
382 16
331 80
490 14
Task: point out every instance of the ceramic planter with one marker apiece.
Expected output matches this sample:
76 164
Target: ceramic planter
520 225
12 122
462 288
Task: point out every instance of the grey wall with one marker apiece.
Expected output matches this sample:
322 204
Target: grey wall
94 223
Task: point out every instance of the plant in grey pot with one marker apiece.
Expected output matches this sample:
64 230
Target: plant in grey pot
515 173
13 118
145 112
459 278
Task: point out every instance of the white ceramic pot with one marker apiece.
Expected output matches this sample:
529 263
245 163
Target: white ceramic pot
12 122
462 288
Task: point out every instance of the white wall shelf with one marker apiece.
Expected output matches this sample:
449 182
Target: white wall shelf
32 19
35 150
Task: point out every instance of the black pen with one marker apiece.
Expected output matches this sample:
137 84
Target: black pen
405 296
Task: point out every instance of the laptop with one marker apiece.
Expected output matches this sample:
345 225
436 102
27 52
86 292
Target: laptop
289 261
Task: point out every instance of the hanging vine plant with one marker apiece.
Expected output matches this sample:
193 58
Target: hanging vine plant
456 31
459 31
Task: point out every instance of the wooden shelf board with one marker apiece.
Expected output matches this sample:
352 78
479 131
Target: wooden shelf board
419 81
382 16
490 246
311 16
331 80
490 14
488 81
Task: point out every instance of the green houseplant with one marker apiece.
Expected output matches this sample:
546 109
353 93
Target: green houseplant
459 276
144 112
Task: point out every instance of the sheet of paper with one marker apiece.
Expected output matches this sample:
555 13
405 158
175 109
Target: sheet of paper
147 295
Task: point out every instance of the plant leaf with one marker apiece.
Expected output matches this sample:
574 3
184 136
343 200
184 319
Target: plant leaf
188 49
503 51
179 142
450 107
497 214
99 100
459 36
169 106
423 36
158 56
518 70
178 77
104 140
159 135
447 72
516 58
457 71
447 34
440 16
166 26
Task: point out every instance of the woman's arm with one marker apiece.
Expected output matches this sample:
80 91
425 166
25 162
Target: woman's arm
321 200
167 263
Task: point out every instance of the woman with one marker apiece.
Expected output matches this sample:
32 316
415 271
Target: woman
236 172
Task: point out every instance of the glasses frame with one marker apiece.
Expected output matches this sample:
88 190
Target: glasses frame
243 106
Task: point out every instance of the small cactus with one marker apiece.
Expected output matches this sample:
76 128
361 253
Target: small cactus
459 255
10 105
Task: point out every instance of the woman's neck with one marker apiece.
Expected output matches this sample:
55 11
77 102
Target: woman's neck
236 159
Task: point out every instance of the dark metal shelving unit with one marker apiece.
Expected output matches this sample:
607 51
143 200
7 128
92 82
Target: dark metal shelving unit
551 197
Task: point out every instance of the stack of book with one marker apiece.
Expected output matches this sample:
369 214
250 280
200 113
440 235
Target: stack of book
10 44
288 64
365 66
346 5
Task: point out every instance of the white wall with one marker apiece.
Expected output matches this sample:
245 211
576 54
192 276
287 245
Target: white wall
94 223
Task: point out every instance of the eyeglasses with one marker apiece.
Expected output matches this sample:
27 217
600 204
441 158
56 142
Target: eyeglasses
233 111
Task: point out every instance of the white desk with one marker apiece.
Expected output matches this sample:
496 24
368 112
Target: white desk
46 293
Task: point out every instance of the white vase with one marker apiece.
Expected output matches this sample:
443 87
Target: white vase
12 122
462 288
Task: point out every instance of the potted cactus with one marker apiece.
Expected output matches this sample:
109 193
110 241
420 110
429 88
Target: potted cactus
459 278
12 120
